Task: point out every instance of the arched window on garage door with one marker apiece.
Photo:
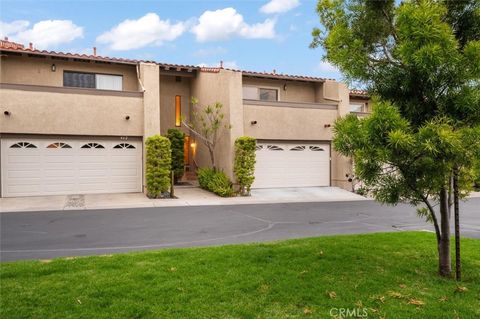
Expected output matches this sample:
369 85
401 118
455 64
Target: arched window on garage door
93 145
59 145
298 148
124 146
316 149
23 145
274 148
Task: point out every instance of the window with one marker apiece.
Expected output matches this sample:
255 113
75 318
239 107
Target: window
93 145
316 149
298 148
268 94
77 79
124 146
23 145
59 145
357 107
178 110
108 82
274 148
93 81
262 94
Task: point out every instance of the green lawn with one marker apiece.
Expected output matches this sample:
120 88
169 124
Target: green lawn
392 275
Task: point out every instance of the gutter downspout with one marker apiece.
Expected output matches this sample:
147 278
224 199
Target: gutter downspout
138 77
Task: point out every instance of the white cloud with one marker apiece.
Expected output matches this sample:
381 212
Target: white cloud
135 34
327 67
279 6
43 34
10 28
225 23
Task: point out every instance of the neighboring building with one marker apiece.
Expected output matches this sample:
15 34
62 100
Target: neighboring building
72 123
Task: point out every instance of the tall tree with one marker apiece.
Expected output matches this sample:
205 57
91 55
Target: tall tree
423 59
207 124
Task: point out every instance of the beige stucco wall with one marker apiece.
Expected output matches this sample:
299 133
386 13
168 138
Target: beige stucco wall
69 113
150 80
284 123
37 71
170 88
289 91
224 87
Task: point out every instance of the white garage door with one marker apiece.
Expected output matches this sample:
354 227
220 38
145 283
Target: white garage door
292 165
34 166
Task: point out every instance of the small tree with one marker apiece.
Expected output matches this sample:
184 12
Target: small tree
398 163
208 124
177 140
158 165
423 57
244 166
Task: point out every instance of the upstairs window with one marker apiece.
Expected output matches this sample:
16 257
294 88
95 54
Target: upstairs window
92 81
357 107
259 93
268 94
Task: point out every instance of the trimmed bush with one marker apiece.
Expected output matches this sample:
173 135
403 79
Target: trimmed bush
158 166
177 140
215 182
244 166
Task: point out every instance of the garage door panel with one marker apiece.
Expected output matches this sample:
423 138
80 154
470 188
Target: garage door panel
292 164
50 169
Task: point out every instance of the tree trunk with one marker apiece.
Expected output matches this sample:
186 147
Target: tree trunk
212 157
458 261
445 267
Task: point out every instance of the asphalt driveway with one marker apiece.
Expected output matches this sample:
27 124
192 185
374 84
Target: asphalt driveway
44 235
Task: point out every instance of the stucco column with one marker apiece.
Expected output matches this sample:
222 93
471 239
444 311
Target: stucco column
150 78
342 165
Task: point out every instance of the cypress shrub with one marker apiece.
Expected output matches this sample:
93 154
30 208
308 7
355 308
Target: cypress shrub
177 140
158 165
244 165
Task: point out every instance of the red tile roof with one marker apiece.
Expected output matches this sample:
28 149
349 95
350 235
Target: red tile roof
359 93
9 46
282 76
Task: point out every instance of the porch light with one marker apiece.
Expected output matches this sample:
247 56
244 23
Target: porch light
54 67
193 145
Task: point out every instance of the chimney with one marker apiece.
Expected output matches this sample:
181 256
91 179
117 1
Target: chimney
30 46
274 71
6 38
94 51
221 64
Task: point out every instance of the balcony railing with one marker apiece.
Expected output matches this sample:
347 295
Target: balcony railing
68 90
327 106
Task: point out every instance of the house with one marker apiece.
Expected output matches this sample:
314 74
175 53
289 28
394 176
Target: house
76 123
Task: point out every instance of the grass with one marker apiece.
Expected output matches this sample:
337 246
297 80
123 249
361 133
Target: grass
391 275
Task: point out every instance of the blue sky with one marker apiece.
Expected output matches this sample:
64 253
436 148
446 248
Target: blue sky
259 35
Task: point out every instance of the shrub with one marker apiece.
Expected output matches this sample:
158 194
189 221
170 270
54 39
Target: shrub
244 166
177 140
158 165
216 182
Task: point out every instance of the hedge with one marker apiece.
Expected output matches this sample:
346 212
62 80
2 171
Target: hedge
215 181
177 140
244 165
158 165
